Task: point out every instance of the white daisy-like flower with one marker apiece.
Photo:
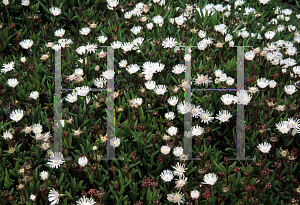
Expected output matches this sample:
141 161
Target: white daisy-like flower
5 2
169 42
81 50
128 15
47 135
206 117
180 182
83 161
85 201
71 97
102 39
264 147
179 169
165 149
173 100
223 116
26 44
116 44
167 175
184 107
178 69
137 101
149 26
127 46
227 99
158 20
34 95
115 142
109 74
195 194
178 151
172 130
136 30
17 115
7 135
37 129
229 81
32 197
60 33
272 83
210 179
23 59
202 34
283 127
290 89
160 89
294 124
56 160
90 48
44 175
53 197
202 45
270 34
150 85
85 31
197 130
262 82
196 110
123 63
99 82
8 67
56 47
82 91
170 115
55 11
180 20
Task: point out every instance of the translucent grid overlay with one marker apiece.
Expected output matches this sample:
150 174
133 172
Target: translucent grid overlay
110 105
240 123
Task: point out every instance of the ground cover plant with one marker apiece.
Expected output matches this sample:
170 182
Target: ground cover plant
151 58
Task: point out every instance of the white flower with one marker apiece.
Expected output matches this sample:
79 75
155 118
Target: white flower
170 115
294 123
173 100
149 26
127 46
137 101
250 55
165 149
178 198
270 34
23 59
179 169
5 2
223 116
8 66
44 175
197 130
95 148
227 99
81 50
150 85
37 129
26 44
60 33
132 68
34 95
262 82
167 175
178 151
116 44
123 63
109 74
179 20
128 15
53 196
82 161
218 73
243 97
206 117
82 91
136 30
71 97
283 127
85 31
7 135
90 48
17 115
290 89
196 110
272 83
115 142
112 4
195 194
85 201
264 1
181 181
187 57
169 42
56 160
210 179
32 197
102 39
184 107
178 69
160 89
202 45
158 20
172 130
202 34
229 81
264 147
99 82
55 11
